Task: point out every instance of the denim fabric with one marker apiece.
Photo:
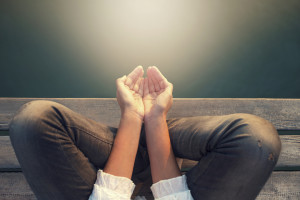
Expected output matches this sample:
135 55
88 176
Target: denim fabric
60 152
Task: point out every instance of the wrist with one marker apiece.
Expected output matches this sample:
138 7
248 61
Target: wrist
155 117
132 116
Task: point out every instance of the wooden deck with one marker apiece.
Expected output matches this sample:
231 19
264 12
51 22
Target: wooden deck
284 182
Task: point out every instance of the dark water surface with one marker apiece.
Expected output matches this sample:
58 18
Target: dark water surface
228 49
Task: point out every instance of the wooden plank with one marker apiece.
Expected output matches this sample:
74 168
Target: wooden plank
283 113
8 159
280 186
289 154
290 151
13 186
105 110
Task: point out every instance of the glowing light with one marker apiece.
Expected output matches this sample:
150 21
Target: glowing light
183 38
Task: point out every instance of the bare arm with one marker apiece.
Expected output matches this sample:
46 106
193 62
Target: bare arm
157 101
129 96
122 157
162 160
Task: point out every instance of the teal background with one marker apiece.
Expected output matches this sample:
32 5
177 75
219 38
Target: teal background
258 58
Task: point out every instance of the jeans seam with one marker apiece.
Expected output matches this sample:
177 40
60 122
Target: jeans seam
70 126
67 156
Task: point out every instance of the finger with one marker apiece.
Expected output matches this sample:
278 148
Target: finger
140 76
121 80
146 87
133 76
150 83
163 82
155 82
137 85
141 87
170 88
154 79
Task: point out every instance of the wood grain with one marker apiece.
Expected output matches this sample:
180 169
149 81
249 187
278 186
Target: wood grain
280 186
13 186
289 156
283 113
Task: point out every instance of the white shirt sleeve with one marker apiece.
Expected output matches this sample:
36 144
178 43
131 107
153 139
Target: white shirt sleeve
173 188
110 187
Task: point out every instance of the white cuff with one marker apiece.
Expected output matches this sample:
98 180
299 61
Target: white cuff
121 185
170 186
186 195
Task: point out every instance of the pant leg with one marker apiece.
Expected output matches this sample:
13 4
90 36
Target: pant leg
221 144
60 150
236 154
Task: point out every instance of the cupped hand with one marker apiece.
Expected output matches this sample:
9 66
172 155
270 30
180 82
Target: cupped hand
157 96
130 92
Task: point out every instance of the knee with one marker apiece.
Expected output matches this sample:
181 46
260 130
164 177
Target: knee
261 136
30 118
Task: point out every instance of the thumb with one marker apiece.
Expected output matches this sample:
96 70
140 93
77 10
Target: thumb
169 88
121 80
120 83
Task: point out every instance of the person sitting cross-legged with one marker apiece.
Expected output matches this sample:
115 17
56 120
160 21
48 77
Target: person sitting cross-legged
65 155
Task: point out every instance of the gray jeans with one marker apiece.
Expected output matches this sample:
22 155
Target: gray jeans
60 152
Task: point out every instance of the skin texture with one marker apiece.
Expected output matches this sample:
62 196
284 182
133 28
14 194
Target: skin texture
129 96
157 93
130 92
157 102
147 99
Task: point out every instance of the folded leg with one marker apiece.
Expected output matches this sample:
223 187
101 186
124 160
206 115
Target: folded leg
236 154
60 150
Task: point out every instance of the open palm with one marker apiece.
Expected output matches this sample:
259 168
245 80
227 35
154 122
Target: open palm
130 92
157 96
144 97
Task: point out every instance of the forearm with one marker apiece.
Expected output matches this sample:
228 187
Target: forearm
162 160
122 157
